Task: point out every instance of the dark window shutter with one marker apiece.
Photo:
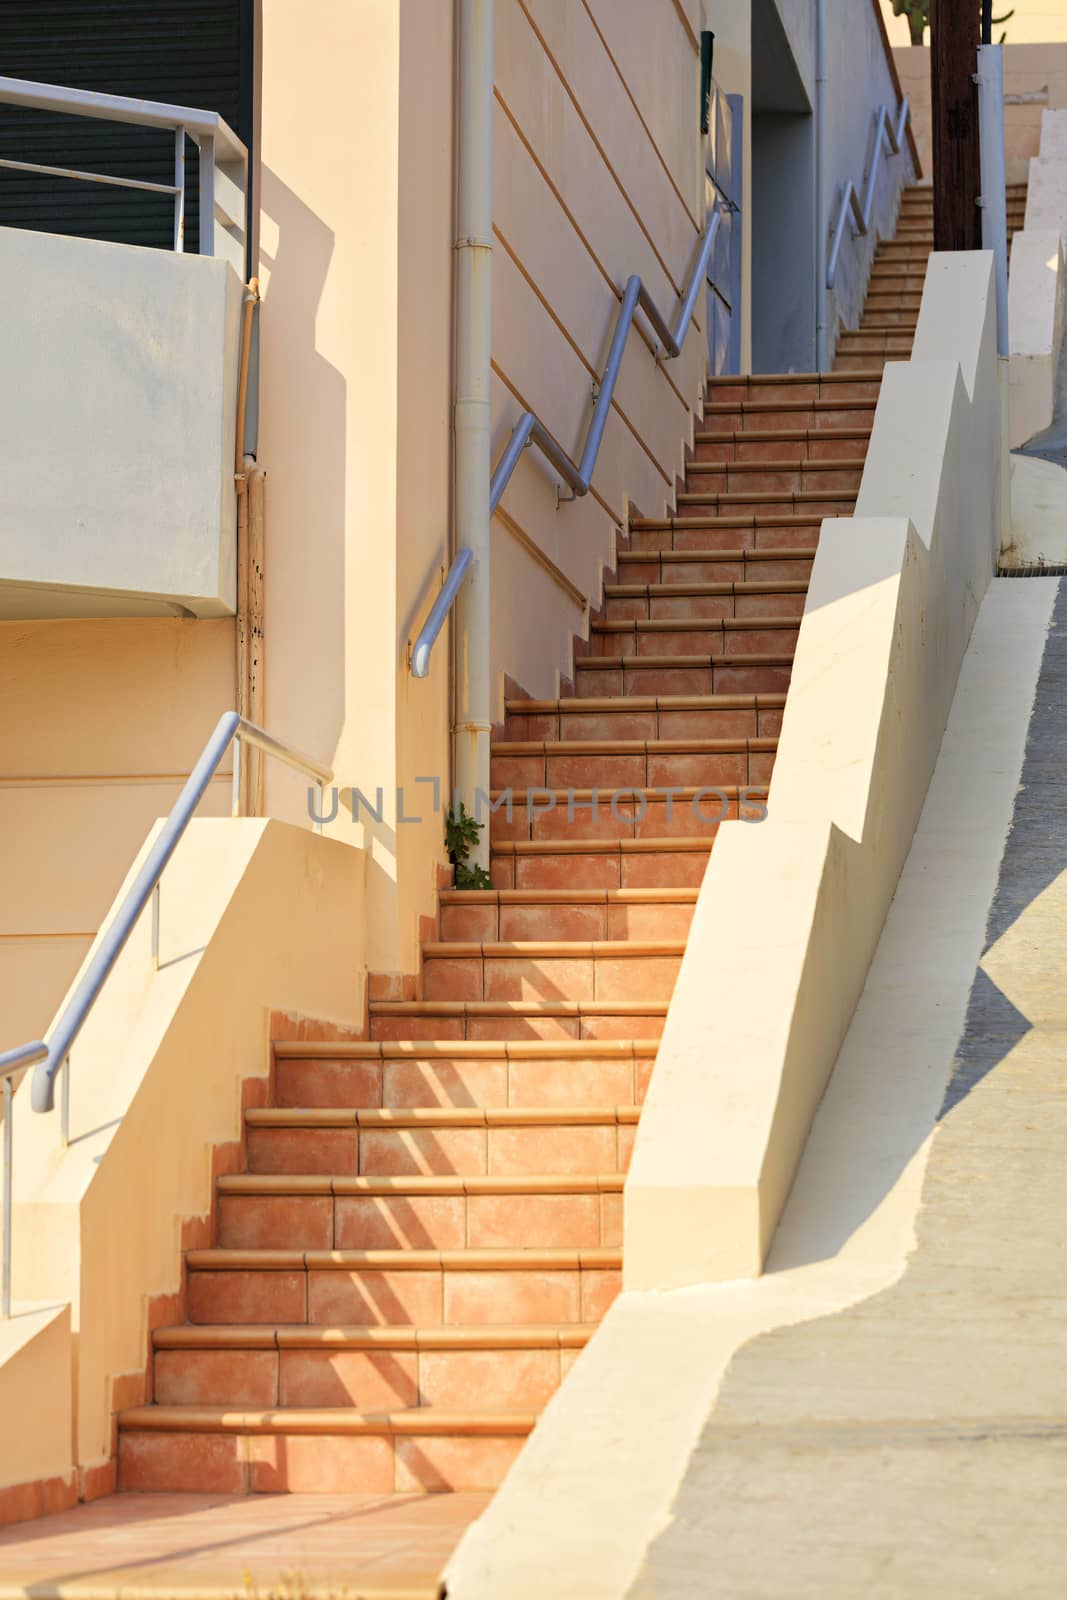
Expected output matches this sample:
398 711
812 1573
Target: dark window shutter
186 52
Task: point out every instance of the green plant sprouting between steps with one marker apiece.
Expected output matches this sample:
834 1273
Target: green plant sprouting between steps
918 15
461 836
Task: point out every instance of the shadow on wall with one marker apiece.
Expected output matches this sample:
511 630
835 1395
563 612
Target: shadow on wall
302 447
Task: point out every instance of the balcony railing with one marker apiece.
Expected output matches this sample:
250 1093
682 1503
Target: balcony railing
223 183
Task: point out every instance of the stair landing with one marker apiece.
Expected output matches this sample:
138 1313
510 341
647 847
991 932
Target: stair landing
215 1547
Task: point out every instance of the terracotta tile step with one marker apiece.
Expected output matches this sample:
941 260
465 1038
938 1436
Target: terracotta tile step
599 863
742 446
656 717
612 764
766 672
496 914
682 601
441 1288
782 475
732 409
508 1369
730 637
808 386
327 1450
526 1020
886 296
445 1212
576 969
765 502
667 811
859 341
443 1069
848 360
736 565
495 1141
887 319
703 535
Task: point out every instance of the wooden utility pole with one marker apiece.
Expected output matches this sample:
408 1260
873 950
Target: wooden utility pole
957 156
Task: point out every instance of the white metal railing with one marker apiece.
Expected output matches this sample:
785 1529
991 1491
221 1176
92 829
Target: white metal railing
51 1058
223 184
888 136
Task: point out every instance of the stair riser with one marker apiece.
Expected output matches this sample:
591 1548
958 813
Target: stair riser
216 1463
543 977
764 391
519 1028
455 1082
510 1381
542 1151
611 773
742 449
700 607
622 724
639 870
800 534
541 923
732 677
772 503
425 1299
722 640
418 1222
683 818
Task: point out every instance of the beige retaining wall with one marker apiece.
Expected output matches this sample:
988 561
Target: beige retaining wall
756 1019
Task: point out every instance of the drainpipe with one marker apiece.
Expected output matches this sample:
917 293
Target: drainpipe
474 222
990 81
820 187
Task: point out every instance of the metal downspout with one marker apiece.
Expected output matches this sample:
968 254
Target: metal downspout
820 187
474 223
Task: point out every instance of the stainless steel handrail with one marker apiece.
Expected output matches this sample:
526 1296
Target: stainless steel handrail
230 727
531 430
217 141
12 1062
888 137
420 654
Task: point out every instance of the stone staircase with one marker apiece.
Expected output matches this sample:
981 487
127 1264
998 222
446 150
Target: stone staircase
429 1224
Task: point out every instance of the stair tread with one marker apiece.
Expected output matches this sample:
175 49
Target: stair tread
780 436
561 897
400 1336
762 658
323 1419
604 847
671 591
217 1259
593 747
779 464
502 949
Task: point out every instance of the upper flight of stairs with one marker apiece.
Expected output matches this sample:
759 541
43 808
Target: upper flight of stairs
429 1224
891 311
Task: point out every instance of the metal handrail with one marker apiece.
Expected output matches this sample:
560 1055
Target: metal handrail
212 133
231 727
420 654
888 137
12 1062
531 430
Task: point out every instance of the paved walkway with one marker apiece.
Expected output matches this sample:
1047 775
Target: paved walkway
227 1547
916 1444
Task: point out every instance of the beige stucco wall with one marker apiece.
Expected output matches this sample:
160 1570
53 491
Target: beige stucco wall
1035 76
755 1022
356 264
102 722
36 1398
597 175
254 916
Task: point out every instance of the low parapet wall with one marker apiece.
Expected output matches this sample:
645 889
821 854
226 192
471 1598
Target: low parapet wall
790 911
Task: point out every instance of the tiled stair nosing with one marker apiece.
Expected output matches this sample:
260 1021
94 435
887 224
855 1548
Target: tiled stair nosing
416 1420
257 1184
452 1049
400 1336
591 705
593 1258
443 1116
